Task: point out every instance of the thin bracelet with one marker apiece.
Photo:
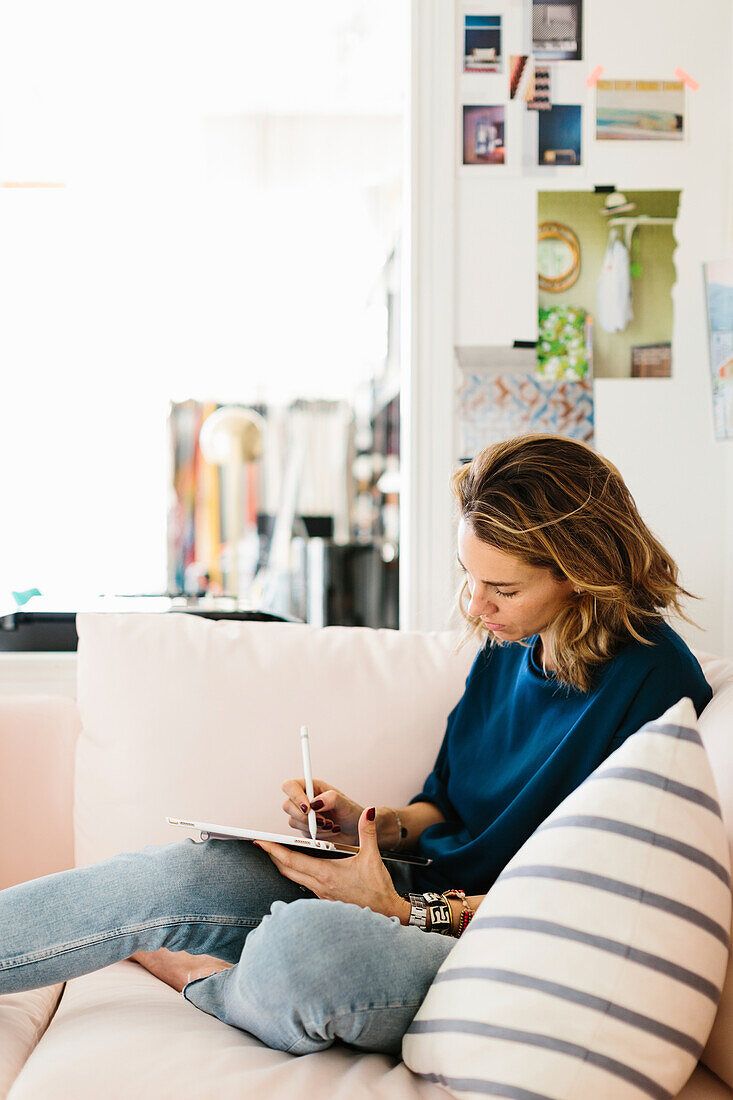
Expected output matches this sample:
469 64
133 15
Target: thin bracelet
402 831
466 911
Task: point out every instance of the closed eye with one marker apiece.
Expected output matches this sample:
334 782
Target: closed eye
508 595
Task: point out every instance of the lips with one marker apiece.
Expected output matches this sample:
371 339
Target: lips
493 626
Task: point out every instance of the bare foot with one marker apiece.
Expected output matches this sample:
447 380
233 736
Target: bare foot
178 968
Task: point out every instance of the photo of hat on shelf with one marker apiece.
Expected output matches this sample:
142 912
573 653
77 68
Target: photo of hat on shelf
617 203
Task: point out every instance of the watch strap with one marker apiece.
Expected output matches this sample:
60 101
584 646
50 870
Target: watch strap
418 911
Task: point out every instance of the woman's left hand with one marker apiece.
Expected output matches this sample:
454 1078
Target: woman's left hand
362 879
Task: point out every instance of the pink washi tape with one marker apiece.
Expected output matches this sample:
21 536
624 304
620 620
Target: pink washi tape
595 76
686 79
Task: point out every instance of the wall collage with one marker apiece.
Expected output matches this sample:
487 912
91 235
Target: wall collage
605 259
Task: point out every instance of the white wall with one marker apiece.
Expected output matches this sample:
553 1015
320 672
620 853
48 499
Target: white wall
659 432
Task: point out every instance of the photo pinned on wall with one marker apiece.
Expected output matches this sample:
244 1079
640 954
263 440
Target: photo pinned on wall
719 294
521 75
500 395
530 82
640 110
483 135
557 30
605 282
482 44
538 98
559 139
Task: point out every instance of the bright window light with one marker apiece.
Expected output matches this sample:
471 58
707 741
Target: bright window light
231 171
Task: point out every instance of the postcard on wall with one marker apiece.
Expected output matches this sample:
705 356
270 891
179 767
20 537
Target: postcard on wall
521 73
496 403
640 110
557 30
538 96
559 138
483 135
719 292
482 44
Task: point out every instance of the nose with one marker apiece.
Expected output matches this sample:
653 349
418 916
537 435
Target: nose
480 604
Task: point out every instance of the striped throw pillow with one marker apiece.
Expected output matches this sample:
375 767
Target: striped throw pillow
594 966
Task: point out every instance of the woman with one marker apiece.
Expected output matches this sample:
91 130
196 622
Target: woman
569 587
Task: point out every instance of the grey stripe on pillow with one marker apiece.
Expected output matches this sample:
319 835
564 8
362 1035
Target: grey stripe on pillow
603 943
577 996
623 889
635 832
654 779
682 733
488 1088
547 1042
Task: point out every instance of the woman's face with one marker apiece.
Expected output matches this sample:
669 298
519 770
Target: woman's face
512 599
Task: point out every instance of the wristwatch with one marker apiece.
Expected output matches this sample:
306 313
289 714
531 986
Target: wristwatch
418 911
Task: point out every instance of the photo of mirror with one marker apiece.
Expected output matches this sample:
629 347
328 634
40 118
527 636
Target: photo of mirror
610 259
558 257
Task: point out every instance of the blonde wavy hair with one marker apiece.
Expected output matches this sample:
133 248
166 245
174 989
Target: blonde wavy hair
555 503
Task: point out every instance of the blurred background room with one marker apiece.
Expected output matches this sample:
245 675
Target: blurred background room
270 272
228 236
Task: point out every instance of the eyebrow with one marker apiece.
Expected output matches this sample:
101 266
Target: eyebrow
494 584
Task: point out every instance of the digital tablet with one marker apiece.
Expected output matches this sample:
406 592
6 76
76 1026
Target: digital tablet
326 849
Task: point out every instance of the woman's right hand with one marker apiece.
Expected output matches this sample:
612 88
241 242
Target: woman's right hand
336 814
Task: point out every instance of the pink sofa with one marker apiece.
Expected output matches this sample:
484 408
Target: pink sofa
184 716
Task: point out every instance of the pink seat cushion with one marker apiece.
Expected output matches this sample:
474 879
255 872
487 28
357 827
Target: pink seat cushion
37 739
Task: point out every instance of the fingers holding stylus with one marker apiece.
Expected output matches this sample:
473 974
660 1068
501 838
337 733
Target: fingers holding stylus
298 819
329 804
295 790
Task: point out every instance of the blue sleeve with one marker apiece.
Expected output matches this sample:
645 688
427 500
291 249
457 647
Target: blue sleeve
662 687
435 787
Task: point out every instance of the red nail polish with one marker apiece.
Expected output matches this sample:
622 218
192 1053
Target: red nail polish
337 828
371 812
304 808
317 805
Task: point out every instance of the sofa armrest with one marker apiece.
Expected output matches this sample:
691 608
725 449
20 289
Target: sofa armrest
37 740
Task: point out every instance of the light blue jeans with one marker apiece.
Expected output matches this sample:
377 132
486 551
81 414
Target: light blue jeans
305 972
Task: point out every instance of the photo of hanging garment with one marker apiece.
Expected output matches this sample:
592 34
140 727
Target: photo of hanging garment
614 310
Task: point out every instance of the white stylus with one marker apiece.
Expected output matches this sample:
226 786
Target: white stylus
308 774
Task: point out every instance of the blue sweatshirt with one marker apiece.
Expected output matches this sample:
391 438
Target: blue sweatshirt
518 742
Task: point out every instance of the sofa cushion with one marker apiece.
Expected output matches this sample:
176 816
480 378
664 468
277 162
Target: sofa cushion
23 1019
594 965
189 717
37 742
716 729
121 1033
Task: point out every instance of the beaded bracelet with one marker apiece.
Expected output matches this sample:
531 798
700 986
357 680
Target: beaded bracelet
466 911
